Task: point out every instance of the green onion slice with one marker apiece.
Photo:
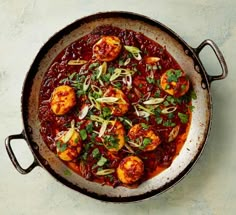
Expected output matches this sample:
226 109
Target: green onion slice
107 99
105 172
169 110
87 82
153 101
134 51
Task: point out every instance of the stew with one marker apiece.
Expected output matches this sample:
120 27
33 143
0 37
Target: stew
115 107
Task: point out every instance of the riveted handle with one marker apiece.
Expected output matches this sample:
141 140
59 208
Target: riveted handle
13 157
219 56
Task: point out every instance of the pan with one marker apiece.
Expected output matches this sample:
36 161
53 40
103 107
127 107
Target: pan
186 56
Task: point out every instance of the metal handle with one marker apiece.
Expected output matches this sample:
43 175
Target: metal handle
13 157
219 56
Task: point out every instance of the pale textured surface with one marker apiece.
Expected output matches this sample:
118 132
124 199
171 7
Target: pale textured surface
210 186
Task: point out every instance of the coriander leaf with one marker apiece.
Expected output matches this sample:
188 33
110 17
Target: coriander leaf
96 153
93 137
111 141
101 161
145 143
150 80
84 156
173 75
191 108
159 120
183 117
169 123
61 146
145 126
106 112
89 127
83 134
93 65
193 95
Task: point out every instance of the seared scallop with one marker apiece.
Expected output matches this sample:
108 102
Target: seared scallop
119 106
107 48
175 82
144 138
69 145
63 99
130 169
114 138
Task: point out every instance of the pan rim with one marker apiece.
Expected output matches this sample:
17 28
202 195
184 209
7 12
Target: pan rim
31 73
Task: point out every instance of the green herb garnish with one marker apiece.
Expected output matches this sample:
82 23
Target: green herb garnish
169 123
101 161
173 75
96 153
183 117
145 126
83 134
145 143
61 146
89 127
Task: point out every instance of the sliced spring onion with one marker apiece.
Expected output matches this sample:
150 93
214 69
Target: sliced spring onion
87 82
77 62
136 110
147 96
107 99
102 69
145 109
115 75
84 111
121 72
153 101
128 122
68 135
96 89
134 51
135 144
103 128
101 82
143 113
72 123
129 148
168 110
127 61
105 172
97 118
129 81
173 134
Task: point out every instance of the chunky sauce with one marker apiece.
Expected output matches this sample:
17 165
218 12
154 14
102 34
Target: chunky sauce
96 159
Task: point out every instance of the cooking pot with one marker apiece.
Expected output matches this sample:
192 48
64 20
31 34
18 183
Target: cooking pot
188 59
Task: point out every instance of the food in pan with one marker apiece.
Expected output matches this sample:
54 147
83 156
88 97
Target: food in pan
115 107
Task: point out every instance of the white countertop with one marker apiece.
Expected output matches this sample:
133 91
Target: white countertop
208 189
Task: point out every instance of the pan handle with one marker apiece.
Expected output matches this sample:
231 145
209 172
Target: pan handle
219 56
13 157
